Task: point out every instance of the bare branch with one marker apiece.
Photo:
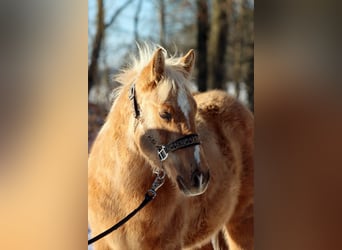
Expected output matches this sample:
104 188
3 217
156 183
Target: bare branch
117 13
136 20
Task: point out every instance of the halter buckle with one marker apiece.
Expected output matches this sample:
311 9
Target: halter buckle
162 153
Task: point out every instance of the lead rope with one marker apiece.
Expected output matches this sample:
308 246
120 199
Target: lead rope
150 195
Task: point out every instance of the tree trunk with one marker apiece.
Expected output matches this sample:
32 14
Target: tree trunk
218 44
162 22
202 41
248 41
250 83
136 21
100 27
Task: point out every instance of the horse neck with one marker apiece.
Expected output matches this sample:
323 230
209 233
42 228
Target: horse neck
131 166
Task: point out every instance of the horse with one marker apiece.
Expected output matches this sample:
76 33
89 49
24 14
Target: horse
206 200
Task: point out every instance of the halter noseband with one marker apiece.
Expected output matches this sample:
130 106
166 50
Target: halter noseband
184 142
163 150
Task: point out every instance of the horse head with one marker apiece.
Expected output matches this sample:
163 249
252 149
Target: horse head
166 111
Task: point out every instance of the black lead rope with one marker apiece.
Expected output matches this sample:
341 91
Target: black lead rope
150 195
147 199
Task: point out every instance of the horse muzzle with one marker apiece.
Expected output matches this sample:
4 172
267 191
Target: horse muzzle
196 185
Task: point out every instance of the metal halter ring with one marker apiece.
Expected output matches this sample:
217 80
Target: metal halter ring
157 183
162 153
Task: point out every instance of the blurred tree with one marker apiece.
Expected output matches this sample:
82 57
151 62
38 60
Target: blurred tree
236 43
240 49
177 24
248 45
101 26
218 44
162 29
250 83
136 21
202 43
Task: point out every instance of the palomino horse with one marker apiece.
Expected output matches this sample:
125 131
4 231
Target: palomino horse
207 198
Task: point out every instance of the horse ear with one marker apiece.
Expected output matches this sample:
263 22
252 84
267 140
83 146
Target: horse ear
155 70
188 62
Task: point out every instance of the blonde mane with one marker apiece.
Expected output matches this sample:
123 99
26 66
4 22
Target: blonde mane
174 69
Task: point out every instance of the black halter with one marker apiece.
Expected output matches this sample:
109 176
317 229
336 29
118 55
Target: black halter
133 99
163 150
184 142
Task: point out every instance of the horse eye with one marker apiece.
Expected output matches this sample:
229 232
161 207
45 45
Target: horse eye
165 115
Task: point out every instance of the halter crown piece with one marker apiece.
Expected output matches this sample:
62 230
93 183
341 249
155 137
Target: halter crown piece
163 150
133 99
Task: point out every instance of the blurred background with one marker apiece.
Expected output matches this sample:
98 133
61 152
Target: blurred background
221 32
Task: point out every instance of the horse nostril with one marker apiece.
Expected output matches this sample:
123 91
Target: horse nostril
197 178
